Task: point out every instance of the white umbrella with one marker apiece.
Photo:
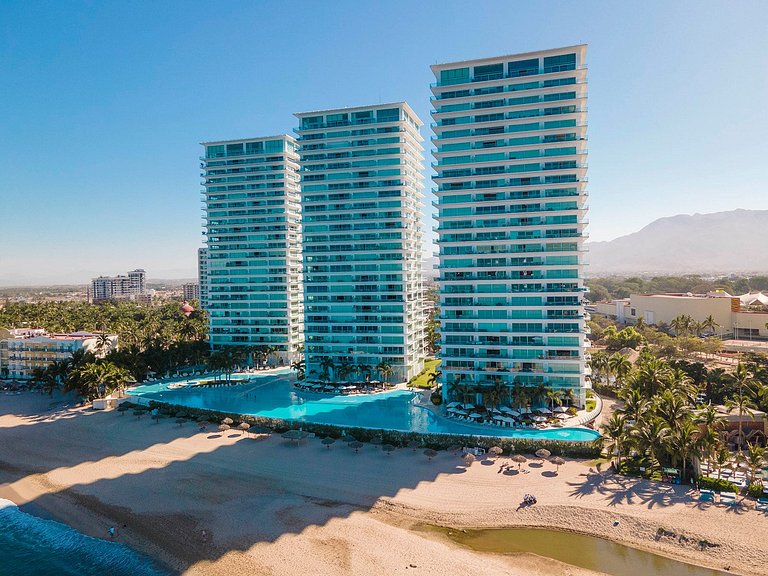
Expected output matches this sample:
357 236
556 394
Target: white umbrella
561 409
544 410
499 417
475 415
461 412
539 419
514 413
468 406
454 405
562 416
525 411
506 409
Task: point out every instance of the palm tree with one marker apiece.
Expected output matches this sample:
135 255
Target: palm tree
755 458
539 392
649 436
683 442
103 344
554 397
327 366
635 405
433 378
520 396
345 369
299 366
721 458
620 366
741 400
614 431
710 324
385 371
365 370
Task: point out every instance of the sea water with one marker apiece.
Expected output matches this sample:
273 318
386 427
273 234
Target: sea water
32 546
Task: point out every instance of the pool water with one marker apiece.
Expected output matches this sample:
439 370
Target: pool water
272 396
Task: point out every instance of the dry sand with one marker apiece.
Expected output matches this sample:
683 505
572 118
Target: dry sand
203 503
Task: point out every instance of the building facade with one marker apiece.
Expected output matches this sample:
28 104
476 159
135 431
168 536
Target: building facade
190 291
252 282
120 287
21 351
511 158
202 276
361 190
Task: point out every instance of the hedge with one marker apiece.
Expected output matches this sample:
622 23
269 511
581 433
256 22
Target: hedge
719 484
398 438
755 490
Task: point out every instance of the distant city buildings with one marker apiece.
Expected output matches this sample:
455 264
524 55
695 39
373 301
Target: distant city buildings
361 195
202 276
23 350
511 161
120 287
253 284
190 291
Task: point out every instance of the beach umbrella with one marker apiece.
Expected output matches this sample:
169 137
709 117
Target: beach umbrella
227 421
244 426
203 424
223 427
413 444
544 411
454 404
181 414
180 421
520 459
327 441
562 416
468 459
429 453
293 435
453 448
123 408
557 461
348 438
539 419
543 453
202 419
495 451
388 448
260 430
138 414
560 409
377 440
356 445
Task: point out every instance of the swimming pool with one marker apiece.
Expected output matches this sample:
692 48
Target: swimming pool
272 396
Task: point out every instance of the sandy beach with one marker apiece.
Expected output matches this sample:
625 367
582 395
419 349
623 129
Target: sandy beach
206 503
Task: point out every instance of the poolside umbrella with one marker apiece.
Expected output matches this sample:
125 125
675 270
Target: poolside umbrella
180 421
454 404
260 430
348 438
560 409
543 453
294 435
413 444
495 451
429 453
227 421
539 419
544 410
377 440
468 459
557 461
244 426
223 427
520 459
562 416
356 445
327 441
388 448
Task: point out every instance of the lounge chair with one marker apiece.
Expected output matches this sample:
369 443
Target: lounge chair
706 496
728 498
762 504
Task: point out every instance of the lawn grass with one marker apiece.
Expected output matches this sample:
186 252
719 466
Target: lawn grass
422 380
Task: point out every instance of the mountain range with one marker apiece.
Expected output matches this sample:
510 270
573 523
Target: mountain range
718 243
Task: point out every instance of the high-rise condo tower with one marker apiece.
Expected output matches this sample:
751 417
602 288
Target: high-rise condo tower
252 289
511 151
361 191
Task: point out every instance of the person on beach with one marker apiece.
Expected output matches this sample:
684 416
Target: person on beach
111 531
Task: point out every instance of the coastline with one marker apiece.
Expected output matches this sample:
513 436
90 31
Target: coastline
271 508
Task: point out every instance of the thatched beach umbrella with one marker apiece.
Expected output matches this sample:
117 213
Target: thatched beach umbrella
429 453
377 440
454 448
348 438
328 441
520 459
468 459
182 414
295 435
356 445
495 451
388 448
223 427
543 453
228 421
244 426
413 444
180 421
138 414
557 461
123 408
203 424
260 430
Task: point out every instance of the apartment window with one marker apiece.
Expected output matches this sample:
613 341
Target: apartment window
489 72
234 149
455 76
523 68
254 147
560 63
388 115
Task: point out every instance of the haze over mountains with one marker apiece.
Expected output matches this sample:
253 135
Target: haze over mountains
721 242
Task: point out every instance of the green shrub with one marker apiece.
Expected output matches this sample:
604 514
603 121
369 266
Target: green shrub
755 490
591 403
719 484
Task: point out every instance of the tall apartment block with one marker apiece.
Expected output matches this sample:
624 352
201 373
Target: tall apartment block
119 287
361 192
511 148
253 228
202 276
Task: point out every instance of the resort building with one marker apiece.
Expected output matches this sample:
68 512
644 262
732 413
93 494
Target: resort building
510 138
361 192
23 350
190 291
202 276
252 277
119 287
739 317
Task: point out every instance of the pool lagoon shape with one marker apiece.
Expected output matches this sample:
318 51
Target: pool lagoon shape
272 396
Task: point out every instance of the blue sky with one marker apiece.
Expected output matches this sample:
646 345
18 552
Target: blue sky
103 104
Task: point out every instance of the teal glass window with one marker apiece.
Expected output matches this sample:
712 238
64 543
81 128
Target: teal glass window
388 115
254 147
235 149
455 76
489 72
215 151
559 63
523 68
